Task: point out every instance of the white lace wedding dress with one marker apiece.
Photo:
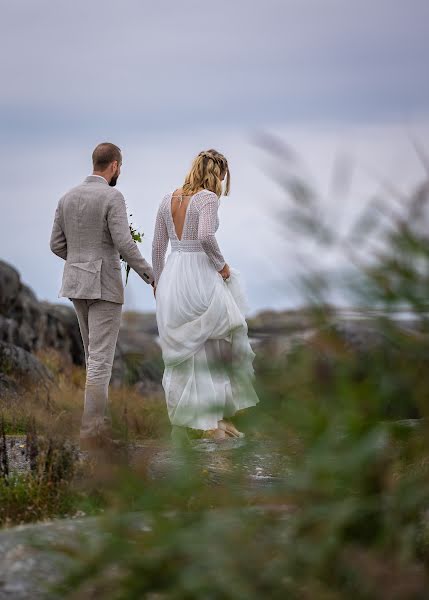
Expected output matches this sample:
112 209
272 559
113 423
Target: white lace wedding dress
203 332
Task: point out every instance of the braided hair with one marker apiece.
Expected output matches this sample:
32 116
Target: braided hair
207 172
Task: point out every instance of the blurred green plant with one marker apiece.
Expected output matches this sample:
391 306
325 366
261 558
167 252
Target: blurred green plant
347 405
42 492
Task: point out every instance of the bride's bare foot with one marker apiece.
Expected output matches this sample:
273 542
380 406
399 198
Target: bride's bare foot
230 429
224 431
216 434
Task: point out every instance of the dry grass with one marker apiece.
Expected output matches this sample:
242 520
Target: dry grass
57 408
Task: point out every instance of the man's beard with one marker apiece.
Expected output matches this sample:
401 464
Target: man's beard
114 179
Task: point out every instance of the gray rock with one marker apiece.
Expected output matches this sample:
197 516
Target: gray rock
144 322
9 330
62 331
8 386
138 361
10 285
29 564
18 364
34 557
32 325
28 315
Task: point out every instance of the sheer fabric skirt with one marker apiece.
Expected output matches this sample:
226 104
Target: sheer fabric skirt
205 347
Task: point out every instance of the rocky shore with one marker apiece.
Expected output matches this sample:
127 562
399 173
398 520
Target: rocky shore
29 326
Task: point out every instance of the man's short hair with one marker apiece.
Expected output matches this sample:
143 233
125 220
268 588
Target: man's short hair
104 154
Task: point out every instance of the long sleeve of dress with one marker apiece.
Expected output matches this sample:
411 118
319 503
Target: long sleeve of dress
207 225
159 246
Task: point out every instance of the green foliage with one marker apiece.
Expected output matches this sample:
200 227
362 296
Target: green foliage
44 491
348 516
138 238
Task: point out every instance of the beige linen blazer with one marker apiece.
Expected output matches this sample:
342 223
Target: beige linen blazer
90 232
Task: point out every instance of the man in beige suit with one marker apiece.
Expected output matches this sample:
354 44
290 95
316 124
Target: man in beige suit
90 232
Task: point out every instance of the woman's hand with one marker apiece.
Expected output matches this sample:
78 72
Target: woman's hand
225 272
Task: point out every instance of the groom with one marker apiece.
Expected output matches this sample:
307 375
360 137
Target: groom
90 232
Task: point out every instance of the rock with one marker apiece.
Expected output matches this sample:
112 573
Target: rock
18 364
8 387
10 285
138 359
38 555
32 325
274 323
145 322
28 326
62 331
359 336
9 330
26 570
337 336
27 313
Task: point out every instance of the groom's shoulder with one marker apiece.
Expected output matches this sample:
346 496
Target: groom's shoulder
106 192
113 193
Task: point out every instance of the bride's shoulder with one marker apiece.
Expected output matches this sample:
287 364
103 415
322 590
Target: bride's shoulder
165 200
205 196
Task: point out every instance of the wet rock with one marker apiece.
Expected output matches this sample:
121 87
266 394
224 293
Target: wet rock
29 560
249 464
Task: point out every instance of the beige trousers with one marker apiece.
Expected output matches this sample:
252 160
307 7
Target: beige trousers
99 322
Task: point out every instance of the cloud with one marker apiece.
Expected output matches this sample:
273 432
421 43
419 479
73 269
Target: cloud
174 65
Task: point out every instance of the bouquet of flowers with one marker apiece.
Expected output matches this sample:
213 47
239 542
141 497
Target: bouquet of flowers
137 237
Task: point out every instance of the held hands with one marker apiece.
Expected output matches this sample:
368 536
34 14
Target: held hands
225 272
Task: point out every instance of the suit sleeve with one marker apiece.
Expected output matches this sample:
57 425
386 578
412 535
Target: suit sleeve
119 228
58 239
206 231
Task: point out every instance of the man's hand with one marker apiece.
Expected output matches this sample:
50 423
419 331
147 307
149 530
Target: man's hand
225 272
154 289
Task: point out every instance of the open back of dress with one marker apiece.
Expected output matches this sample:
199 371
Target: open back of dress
179 208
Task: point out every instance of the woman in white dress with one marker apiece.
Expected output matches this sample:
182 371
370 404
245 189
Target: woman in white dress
199 308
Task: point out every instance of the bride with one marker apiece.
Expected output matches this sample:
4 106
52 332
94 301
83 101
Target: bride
199 308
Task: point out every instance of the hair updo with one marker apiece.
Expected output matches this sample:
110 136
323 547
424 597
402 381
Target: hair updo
207 172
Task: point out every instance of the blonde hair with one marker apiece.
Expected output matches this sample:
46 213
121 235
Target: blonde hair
206 172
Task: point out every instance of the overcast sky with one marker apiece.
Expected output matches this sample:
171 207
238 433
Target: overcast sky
165 79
